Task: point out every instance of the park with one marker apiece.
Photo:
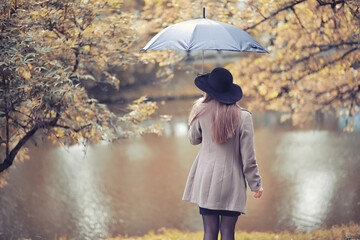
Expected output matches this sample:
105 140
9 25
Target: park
94 115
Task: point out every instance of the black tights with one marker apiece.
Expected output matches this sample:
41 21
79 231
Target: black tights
212 224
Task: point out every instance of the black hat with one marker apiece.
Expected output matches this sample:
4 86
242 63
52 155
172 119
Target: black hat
219 85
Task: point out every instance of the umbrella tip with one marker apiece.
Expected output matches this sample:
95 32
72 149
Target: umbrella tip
203 12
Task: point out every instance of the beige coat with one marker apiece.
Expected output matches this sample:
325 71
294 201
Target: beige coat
217 176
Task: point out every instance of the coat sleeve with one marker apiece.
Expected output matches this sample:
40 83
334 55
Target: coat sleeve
247 149
194 134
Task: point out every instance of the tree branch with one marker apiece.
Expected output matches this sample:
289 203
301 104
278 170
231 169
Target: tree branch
327 64
297 17
26 115
354 12
260 12
317 70
323 48
73 129
333 3
15 121
319 94
340 96
330 46
275 13
8 161
76 64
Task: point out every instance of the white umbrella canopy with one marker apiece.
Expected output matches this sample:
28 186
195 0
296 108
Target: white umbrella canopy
204 34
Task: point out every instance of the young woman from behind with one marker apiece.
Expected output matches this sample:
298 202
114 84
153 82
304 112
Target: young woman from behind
226 160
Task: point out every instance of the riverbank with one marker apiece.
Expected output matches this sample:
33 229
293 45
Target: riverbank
345 232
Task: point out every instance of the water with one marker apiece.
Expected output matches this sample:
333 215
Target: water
310 179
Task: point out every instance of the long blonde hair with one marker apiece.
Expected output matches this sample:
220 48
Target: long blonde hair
225 117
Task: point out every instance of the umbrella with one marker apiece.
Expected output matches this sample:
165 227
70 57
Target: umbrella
204 34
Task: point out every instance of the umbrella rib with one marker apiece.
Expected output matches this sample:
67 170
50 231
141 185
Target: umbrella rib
191 38
226 30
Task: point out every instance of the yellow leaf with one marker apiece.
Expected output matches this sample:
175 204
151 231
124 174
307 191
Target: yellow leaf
262 89
140 100
24 73
294 92
272 95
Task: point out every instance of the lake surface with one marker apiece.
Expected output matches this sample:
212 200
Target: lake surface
311 180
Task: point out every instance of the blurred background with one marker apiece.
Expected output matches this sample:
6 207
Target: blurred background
94 131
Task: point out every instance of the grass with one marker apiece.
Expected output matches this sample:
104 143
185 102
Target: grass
345 232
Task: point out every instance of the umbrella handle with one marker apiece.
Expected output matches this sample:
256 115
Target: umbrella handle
202 69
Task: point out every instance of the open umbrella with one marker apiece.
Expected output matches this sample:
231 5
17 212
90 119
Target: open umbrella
204 34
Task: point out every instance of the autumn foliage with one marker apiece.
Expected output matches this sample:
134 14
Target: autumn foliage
48 46
314 55
314 59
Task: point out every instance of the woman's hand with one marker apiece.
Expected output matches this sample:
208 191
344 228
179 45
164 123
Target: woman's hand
258 193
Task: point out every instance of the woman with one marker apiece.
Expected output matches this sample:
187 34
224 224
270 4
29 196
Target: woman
216 180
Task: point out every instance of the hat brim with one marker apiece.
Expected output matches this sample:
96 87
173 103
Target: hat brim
231 96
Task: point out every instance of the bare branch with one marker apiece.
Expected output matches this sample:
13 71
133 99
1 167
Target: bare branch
73 129
297 17
275 13
76 64
260 12
332 3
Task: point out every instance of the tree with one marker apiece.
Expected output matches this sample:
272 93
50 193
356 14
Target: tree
45 48
314 51
314 58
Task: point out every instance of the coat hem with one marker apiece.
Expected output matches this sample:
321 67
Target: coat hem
215 208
